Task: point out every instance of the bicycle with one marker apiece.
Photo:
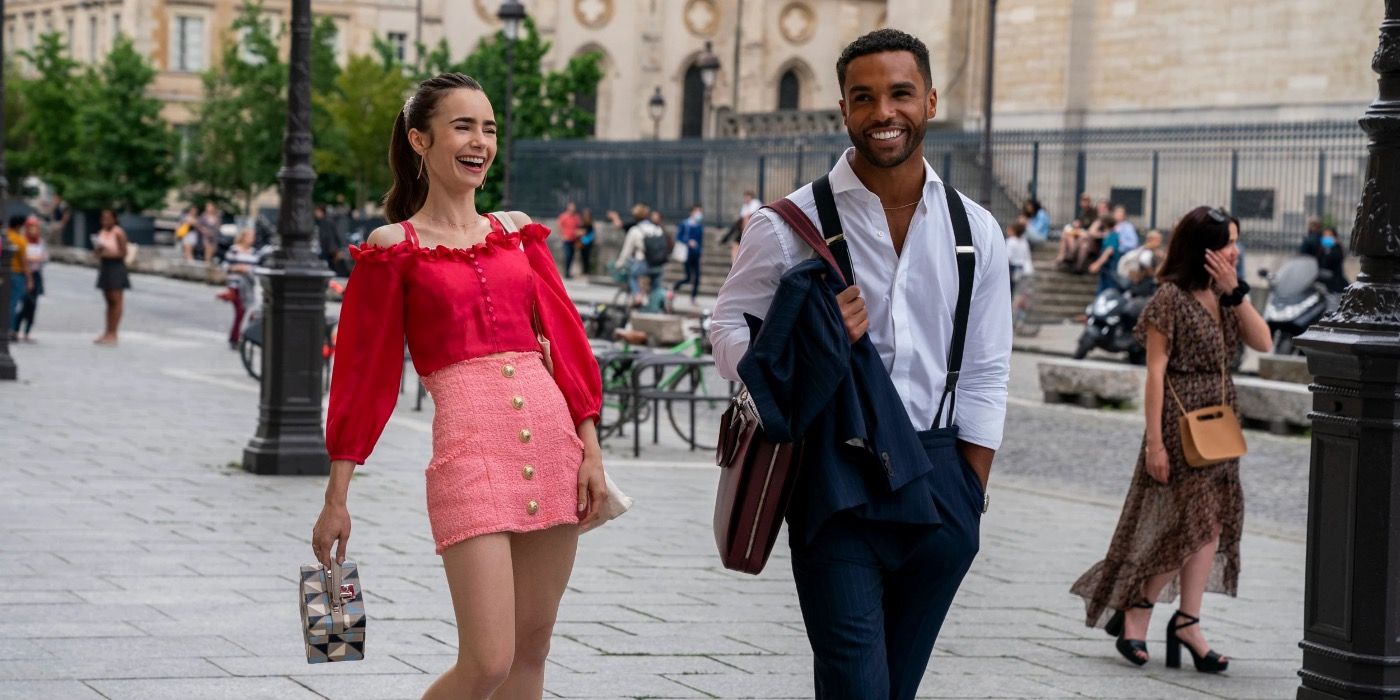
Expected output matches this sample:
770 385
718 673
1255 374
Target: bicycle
622 365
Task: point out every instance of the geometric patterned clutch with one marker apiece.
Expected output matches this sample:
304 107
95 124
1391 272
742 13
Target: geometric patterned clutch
333 613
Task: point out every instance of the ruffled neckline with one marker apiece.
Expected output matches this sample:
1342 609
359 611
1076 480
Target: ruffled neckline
496 240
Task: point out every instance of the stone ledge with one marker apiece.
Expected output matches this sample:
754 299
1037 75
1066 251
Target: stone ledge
1279 407
1089 383
1285 368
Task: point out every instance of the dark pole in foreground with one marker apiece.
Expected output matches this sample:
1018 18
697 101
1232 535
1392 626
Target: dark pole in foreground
986 195
1351 621
289 438
8 370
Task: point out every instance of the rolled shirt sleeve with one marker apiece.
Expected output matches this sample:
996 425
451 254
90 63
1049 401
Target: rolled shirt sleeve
981 395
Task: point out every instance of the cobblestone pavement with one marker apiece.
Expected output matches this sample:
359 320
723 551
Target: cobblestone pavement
139 561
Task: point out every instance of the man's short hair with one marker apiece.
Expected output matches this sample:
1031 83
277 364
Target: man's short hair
881 41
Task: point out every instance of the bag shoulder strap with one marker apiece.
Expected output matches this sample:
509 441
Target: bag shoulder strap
831 226
967 268
797 220
506 220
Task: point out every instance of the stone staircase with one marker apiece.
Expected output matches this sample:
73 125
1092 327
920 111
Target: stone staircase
1058 295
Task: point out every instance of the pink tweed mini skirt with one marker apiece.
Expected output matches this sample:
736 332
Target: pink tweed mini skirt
506 453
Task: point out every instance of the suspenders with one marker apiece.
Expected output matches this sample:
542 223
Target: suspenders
967 263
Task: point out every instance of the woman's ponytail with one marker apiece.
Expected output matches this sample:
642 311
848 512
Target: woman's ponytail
410 181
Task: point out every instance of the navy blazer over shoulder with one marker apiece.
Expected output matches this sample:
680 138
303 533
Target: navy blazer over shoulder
807 379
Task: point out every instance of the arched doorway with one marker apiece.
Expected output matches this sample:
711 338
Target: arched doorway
693 105
789 90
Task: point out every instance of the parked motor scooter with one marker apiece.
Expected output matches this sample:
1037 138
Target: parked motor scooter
1298 298
1111 319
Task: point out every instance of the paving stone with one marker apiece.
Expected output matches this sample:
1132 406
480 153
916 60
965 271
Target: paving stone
369 687
205 689
48 690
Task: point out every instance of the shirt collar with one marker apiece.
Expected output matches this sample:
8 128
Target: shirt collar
843 178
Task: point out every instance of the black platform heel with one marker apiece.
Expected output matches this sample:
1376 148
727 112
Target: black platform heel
1209 663
1129 648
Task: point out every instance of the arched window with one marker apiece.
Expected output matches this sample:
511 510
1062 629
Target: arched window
693 105
789 90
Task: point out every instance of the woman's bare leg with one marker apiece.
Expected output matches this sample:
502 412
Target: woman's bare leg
1194 575
542 562
483 598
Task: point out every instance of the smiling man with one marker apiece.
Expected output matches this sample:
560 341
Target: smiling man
881 536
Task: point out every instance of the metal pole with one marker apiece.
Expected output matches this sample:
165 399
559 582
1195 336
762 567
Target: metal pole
738 43
1321 182
1351 633
9 371
1234 177
510 125
1035 170
1156 163
986 197
418 35
1081 180
289 438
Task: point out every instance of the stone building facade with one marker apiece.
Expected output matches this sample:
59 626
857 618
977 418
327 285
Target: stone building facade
1059 63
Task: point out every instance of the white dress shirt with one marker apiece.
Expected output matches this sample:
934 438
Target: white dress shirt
910 297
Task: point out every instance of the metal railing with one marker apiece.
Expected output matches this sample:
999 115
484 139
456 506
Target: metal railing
1273 176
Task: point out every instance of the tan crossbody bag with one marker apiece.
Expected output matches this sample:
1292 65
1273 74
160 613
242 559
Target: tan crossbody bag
1210 435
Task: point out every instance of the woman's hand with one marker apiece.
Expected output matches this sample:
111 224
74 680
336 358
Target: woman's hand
592 487
1157 465
1220 269
333 526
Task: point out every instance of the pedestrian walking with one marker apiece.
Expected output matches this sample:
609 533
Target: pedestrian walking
691 234
569 234
208 226
239 263
644 253
736 229
516 467
1180 525
36 254
21 281
588 236
187 233
110 245
881 533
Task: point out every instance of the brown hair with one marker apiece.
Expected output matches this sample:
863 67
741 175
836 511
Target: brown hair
1202 229
410 188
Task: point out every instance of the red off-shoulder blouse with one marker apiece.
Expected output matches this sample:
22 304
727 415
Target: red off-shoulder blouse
451 304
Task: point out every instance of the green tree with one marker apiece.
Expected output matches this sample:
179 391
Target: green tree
46 124
236 148
124 145
15 141
545 103
324 71
362 109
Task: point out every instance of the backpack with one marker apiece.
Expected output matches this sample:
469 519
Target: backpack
656 248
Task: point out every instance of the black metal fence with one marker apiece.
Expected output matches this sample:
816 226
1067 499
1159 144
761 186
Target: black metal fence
1273 176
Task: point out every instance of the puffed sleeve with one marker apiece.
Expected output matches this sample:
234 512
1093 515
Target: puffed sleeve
575 369
1160 313
369 354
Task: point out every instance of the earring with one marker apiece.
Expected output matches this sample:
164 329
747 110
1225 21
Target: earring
420 167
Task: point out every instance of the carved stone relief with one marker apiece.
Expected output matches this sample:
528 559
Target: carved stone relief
702 18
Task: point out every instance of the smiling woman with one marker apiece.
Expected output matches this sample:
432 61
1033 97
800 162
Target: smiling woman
516 471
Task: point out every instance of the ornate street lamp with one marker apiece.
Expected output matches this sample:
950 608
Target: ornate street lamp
512 16
289 438
8 370
708 63
657 107
1351 632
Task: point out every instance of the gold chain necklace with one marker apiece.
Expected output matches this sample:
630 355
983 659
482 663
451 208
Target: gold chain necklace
450 224
904 206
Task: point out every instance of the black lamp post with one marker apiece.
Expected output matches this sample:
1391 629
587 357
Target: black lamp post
289 438
708 63
512 15
986 198
657 107
1351 624
8 370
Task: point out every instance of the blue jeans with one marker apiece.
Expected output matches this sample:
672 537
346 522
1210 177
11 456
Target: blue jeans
17 292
